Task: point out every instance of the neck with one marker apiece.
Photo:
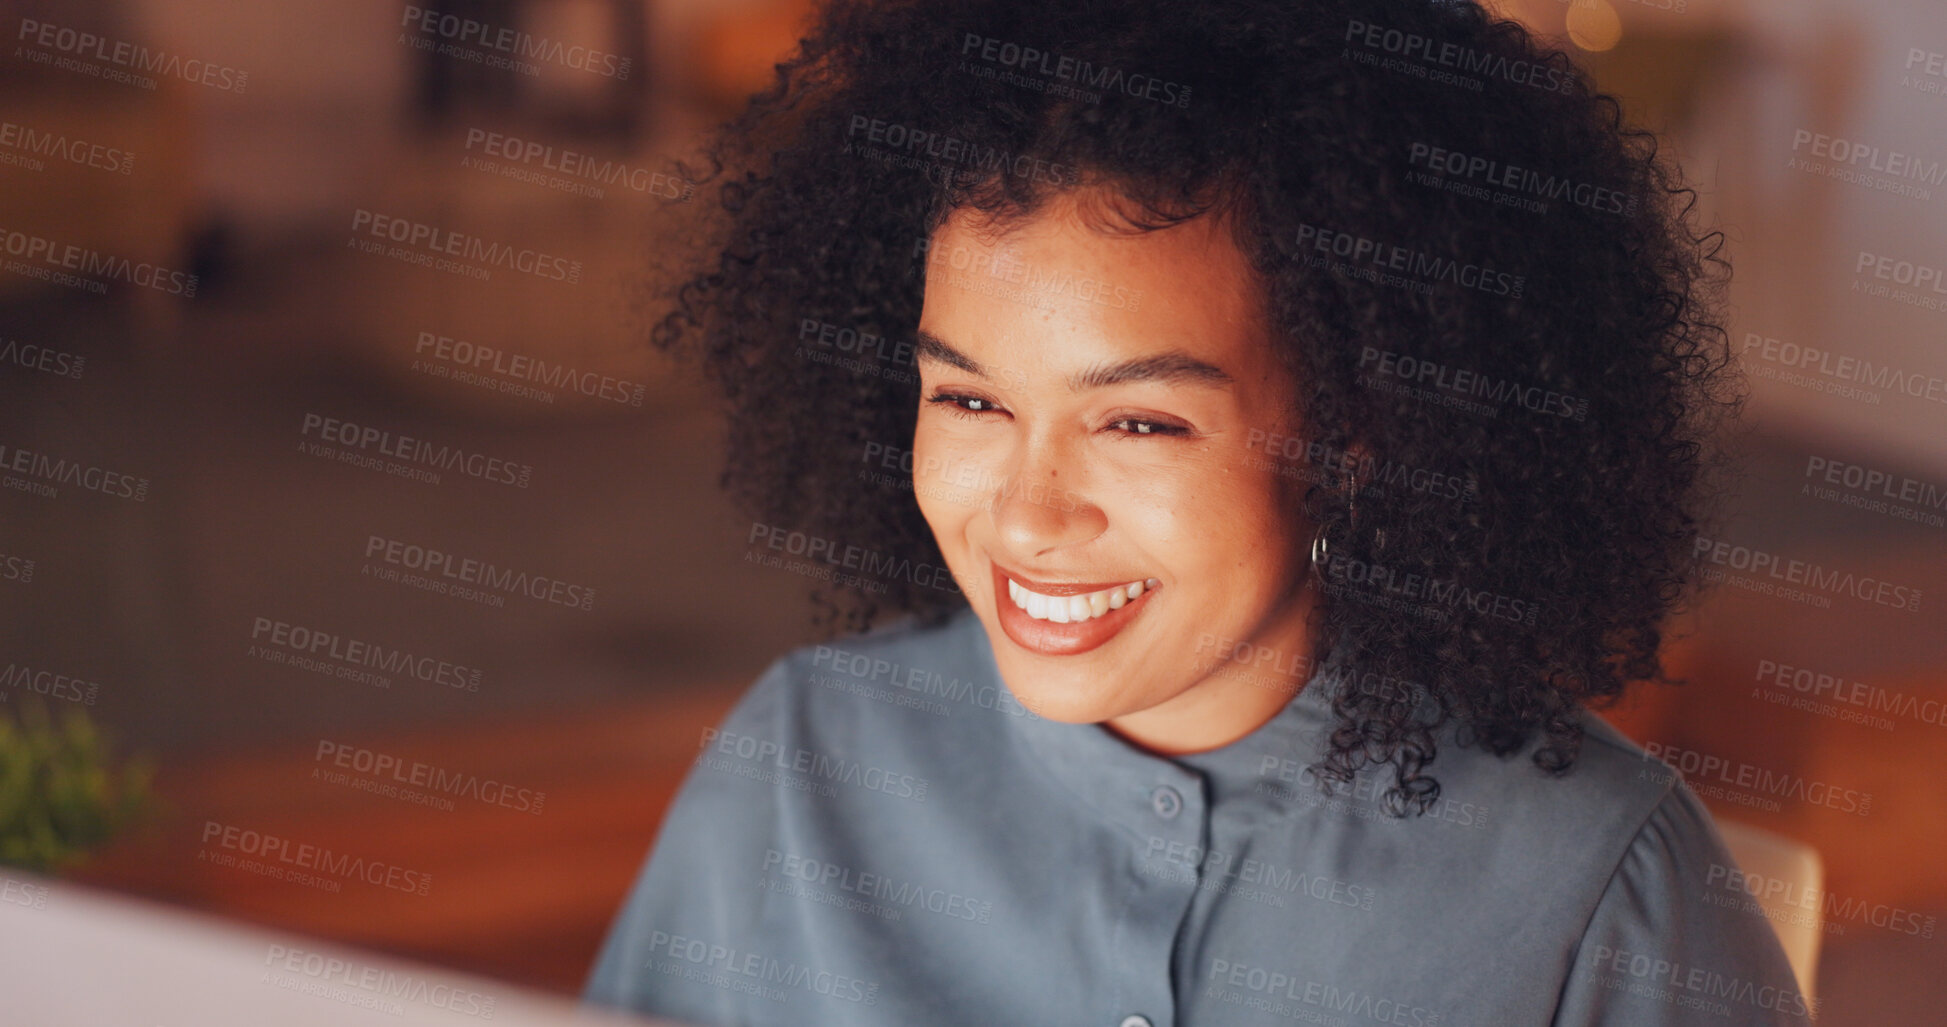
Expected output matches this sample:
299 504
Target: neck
1232 700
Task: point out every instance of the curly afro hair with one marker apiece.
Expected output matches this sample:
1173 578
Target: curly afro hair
1474 270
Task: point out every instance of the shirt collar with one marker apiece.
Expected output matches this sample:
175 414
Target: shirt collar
1132 786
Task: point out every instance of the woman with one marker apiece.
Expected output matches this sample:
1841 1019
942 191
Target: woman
1277 423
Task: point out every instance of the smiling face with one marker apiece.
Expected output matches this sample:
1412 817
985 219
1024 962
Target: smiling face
1087 400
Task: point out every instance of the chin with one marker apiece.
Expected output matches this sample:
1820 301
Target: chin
1064 710
1053 697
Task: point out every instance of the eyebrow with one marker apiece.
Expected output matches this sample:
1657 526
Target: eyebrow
1172 367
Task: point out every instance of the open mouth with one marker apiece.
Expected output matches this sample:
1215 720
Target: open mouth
1063 619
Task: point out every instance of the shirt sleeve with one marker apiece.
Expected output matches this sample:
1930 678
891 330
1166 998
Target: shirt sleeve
697 890
1660 952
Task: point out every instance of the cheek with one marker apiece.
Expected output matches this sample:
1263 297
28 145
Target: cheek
1224 525
941 466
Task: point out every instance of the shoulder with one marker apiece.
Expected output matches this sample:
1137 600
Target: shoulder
902 685
1663 846
790 682
1617 812
1672 840
1671 939
1611 765
1629 870
1589 813
897 653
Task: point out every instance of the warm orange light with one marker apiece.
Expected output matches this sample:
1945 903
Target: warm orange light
1594 25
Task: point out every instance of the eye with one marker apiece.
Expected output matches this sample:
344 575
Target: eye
961 404
1136 426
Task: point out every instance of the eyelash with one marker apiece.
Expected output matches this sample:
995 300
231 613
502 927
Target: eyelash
953 401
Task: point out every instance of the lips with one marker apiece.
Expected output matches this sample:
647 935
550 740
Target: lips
1105 615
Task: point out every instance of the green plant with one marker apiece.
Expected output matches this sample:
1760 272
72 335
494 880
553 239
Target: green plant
59 796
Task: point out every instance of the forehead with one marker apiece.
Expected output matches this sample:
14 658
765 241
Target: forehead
1063 275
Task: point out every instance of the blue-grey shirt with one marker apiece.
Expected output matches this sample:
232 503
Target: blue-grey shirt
879 834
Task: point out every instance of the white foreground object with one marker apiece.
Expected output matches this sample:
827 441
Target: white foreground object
79 957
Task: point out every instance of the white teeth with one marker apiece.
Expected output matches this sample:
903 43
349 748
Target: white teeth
1075 609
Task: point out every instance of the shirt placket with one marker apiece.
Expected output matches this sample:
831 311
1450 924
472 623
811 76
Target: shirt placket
1169 815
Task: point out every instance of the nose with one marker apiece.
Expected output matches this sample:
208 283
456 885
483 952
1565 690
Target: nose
1040 505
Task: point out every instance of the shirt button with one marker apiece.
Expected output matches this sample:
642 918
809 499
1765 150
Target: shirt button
1135 1020
1167 803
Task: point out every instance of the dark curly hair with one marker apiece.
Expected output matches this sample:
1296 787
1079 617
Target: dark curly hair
1419 186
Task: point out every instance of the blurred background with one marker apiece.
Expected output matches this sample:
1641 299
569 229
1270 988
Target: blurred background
224 233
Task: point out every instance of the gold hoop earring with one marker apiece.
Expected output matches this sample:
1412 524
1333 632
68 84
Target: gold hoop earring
1321 551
